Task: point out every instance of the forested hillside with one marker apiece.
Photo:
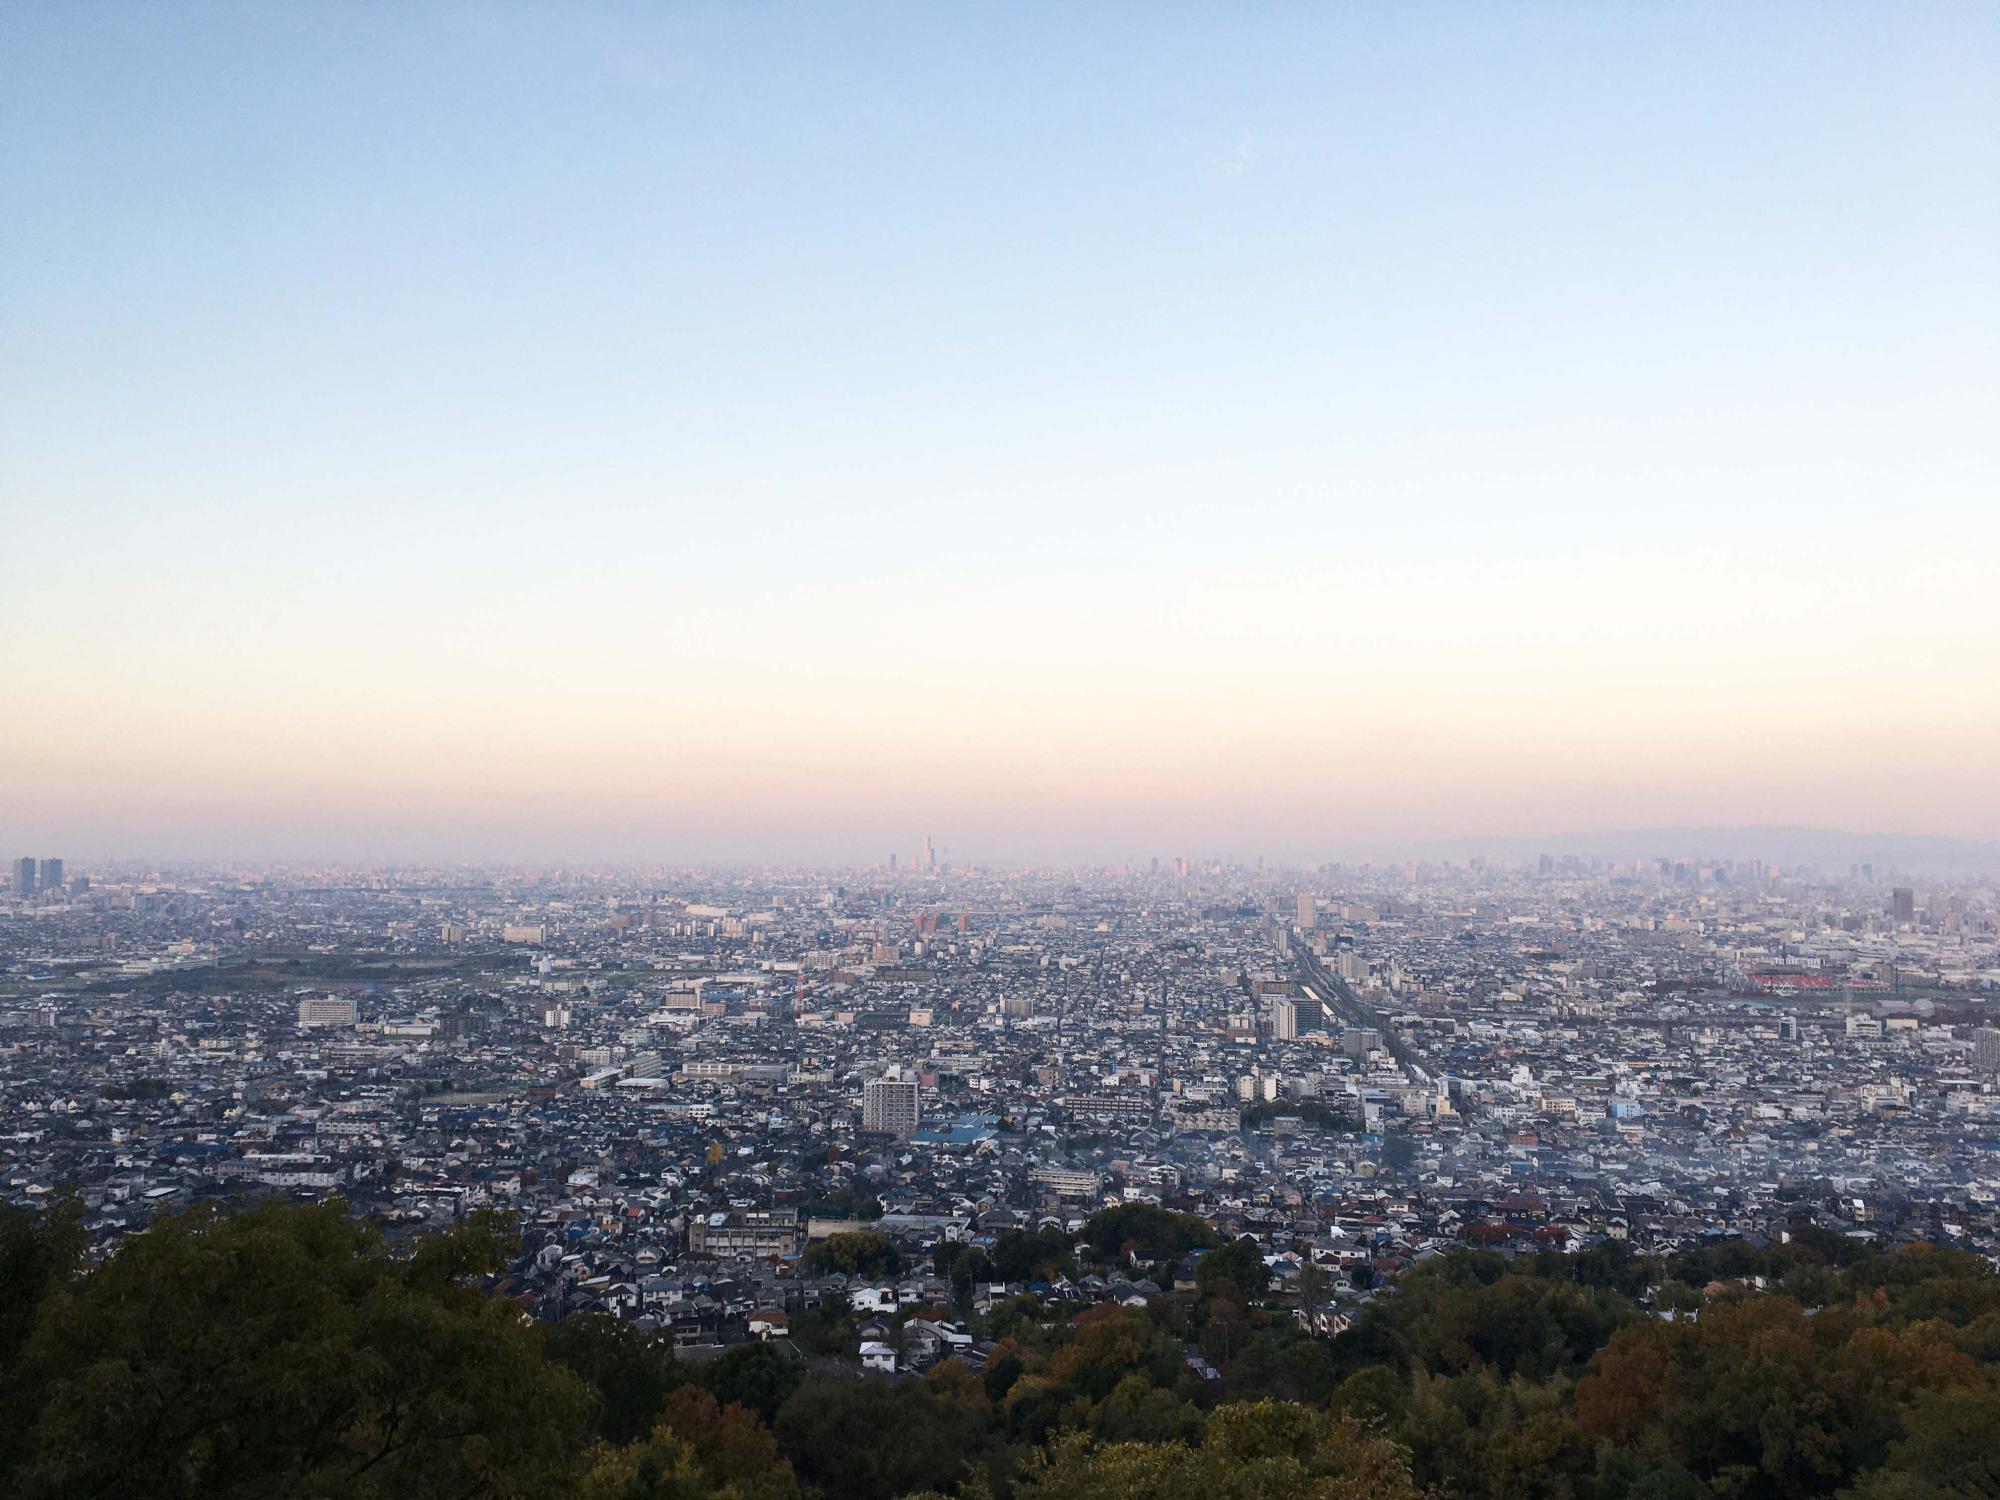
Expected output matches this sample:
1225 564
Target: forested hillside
286 1352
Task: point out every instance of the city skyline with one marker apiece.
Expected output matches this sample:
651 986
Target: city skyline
460 433
1724 853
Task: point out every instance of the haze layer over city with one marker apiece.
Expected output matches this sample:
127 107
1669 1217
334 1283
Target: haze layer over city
1058 732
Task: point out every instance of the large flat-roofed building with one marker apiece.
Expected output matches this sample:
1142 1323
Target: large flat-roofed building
771 1233
1067 1182
328 1012
1109 1106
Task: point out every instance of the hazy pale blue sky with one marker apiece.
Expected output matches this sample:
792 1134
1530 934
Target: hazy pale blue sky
637 429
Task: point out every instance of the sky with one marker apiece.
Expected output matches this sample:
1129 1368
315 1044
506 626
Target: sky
578 431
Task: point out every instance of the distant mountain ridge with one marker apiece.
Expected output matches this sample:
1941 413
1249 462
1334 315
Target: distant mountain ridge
1832 850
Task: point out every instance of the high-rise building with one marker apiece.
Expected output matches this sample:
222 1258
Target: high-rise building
930 854
889 1106
1903 904
24 876
51 875
1284 1019
1986 1049
1308 911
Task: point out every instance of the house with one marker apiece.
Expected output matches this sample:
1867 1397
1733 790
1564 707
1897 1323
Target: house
879 1358
926 1341
872 1299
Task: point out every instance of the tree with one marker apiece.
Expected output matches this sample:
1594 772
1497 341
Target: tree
287 1352
730 1446
856 1253
1627 1388
1137 1411
38 1254
1677 1296
1399 1152
1146 1231
1949 1451
1610 1264
955 1381
1239 1265
962 1265
1111 1343
662 1468
1225 1326
630 1372
1002 1370
828 1329
1375 1393
1022 1255
864 1439
758 1376
1311 1285
1017 1318
283 1352
1261 1451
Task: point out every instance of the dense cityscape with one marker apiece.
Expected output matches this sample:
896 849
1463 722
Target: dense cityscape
999 752
677 1082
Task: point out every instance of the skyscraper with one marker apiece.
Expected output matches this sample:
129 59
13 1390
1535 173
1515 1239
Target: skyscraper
1903 904
930 855
1308 911
51 878
24 876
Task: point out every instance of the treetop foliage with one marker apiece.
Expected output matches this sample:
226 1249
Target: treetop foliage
288 1352
856 1253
